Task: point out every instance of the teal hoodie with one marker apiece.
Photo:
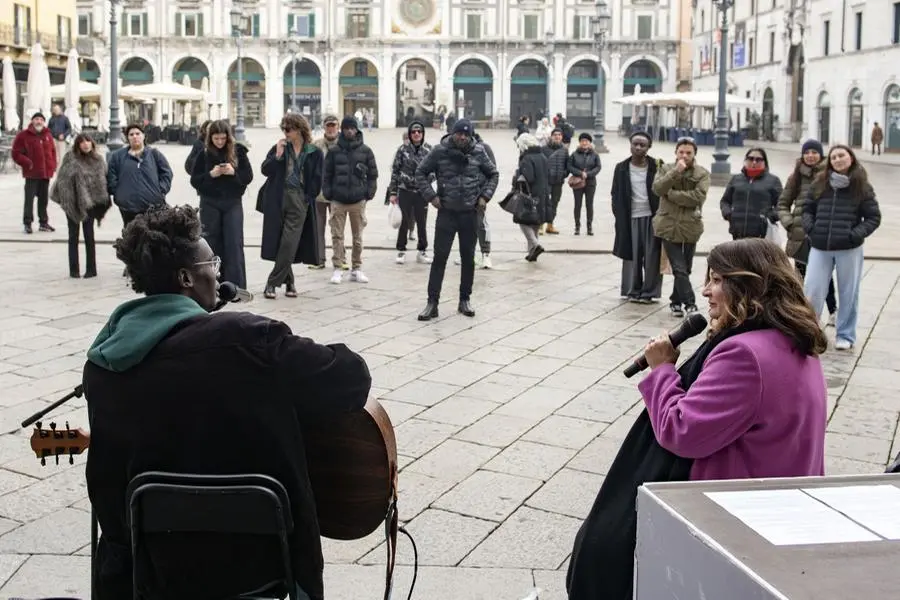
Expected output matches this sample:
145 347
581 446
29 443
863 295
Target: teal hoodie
136 327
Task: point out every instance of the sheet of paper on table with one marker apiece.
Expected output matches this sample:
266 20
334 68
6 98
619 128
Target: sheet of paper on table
791 517
876 507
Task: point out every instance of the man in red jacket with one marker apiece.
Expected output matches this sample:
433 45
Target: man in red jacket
34 151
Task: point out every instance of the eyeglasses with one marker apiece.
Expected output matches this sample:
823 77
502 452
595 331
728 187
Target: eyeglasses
216 263
417 130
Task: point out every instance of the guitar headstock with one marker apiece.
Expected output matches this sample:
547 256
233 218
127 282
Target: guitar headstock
58 442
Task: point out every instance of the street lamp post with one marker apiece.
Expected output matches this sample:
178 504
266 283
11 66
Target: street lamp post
720 171
114 139
550 49
600 24
237 22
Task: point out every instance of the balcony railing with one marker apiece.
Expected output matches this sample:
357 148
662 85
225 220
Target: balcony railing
16 36
85 46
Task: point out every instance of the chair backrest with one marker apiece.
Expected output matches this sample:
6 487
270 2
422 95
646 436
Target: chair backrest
202 512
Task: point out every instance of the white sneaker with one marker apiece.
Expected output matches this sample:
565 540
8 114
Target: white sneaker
358 276
486 261
422 257
337 276
401 258
843 345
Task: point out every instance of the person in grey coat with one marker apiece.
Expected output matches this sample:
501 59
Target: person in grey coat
533 169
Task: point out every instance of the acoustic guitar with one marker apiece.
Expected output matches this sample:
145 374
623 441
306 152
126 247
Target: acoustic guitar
352 464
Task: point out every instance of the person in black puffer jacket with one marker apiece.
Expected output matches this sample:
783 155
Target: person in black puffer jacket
197 148
533 168
403 192
351 180
750 201
467 179
221 175
585 163
840 212
558 167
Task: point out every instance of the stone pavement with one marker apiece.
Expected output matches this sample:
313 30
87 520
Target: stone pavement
506 235
506 423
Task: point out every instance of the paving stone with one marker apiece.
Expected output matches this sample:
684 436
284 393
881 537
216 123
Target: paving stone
537 402
416 492
577 379
496 354
857 420
488 495
526 341
601 403
448 537
838 465
43 575
528 459
858 448
461 372
534 366
875 398
453 459
61 532
458 410
529 538
496 430
875 378
399 412
416 436
552 584
565 432
499 387
423 393
350 551
9 564
597 456
568 492
44 497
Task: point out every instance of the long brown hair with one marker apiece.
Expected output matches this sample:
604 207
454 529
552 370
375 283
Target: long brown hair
217 127
296 121
859 179
76 146
761 285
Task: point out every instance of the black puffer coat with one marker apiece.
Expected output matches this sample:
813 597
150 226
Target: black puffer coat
587 161
406 161
750 204
557 162
463 175
533 167
840 219
351 173
226 187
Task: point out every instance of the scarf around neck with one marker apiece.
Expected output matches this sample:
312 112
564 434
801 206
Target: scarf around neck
838 181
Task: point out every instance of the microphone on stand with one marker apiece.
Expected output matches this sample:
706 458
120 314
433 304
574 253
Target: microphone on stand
228 292
691 326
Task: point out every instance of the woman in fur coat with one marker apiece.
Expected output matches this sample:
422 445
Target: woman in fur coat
80 190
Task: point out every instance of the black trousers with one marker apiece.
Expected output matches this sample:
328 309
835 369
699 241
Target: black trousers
681 259
555 195
127 217
41 189
90 249
223 227
414 209
831 298
586 193
447 225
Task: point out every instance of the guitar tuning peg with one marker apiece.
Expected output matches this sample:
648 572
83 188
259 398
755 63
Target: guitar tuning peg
67 425
43 462
71 460
53 426
39 425
57 459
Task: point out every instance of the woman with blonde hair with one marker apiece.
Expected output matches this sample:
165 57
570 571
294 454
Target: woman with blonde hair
751 402
221 175
80 190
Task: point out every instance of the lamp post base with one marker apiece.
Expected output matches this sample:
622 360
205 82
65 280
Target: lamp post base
720 170
599 134
114 141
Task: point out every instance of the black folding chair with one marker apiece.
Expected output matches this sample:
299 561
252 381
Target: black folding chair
253 506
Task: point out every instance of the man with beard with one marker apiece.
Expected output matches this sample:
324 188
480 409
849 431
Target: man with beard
323 207
403 191
633 205
682 190
557 165
467 179
351 180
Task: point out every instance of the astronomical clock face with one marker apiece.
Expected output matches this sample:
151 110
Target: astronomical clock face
416 12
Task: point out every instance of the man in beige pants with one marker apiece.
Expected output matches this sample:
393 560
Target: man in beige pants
323 207
350 181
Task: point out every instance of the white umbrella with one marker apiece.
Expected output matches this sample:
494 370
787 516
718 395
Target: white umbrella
73 90
204 106
10 97
105 97
87 90
37 89
186 107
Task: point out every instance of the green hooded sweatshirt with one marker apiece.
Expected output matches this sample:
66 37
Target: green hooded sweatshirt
136 327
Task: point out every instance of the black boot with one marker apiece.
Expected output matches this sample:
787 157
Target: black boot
465 308
269 292
430 312
577 229
590 229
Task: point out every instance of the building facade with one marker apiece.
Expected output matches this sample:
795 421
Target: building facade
22 25
816 68
491 60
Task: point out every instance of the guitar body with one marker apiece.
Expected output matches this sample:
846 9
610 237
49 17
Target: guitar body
352 464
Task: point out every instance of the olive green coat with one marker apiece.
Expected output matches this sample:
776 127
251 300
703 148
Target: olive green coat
681 197
790 205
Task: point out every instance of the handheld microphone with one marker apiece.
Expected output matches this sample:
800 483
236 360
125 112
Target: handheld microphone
691 326
228 292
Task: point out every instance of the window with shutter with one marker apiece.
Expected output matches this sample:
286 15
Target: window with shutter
200 24
178 29
290 23
255 25
144 29
123 26
312 25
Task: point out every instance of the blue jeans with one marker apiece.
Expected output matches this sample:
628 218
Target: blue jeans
849 267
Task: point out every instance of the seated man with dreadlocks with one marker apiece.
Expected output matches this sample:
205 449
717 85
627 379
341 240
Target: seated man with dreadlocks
171 387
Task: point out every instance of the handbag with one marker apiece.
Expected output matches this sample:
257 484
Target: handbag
577 183
522 204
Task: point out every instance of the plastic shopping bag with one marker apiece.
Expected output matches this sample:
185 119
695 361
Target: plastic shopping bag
775 234
395 216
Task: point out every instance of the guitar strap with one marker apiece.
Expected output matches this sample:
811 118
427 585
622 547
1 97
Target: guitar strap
391 525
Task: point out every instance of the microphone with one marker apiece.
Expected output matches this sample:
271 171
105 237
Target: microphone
228 292
688 328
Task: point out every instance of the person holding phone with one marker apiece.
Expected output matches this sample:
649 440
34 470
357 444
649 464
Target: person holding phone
221 175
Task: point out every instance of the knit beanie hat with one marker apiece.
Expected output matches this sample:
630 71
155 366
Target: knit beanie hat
813 145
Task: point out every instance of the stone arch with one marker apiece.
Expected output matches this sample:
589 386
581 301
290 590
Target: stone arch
395 69
886 87
580 57
154 67
479 57
663 72
357 56
286 62
530 56
232 61
180 57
